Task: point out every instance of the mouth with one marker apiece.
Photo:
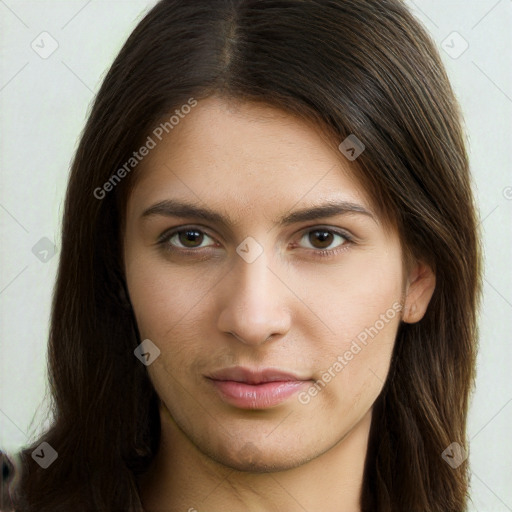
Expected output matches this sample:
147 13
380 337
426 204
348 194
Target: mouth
246 388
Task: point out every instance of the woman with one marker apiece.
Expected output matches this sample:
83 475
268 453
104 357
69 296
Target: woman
269 273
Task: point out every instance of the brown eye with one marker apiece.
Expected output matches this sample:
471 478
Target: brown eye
321 239
190 237
324 239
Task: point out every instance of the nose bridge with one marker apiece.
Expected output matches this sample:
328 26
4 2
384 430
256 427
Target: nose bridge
254 306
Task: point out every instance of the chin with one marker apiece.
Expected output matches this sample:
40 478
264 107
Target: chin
252 459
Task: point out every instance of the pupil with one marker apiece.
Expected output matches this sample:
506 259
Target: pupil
190 237
324 237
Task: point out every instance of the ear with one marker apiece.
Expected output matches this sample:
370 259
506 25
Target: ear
420 286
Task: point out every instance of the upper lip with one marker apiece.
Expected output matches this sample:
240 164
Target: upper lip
253 376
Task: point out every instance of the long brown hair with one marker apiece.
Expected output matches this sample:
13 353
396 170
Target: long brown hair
363 67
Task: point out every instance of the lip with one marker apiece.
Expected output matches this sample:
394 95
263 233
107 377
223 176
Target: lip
255 389
254 376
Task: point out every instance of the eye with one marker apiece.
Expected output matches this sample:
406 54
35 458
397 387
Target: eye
326 241
188 238
323 239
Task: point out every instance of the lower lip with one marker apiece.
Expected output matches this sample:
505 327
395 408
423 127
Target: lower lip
257 396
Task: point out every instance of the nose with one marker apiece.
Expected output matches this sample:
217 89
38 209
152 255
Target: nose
255 303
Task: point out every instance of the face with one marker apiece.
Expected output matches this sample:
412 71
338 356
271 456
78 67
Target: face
275 319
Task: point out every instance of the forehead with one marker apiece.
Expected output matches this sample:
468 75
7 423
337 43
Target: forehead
245 157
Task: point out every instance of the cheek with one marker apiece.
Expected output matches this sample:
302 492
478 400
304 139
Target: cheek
365 360
172 305
352 372
352 296
167 298
168 301
360 304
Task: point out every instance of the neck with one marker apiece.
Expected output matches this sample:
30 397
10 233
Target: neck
181 478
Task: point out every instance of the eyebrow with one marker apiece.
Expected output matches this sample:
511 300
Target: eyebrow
177 208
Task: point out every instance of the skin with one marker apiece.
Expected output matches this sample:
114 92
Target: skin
208 309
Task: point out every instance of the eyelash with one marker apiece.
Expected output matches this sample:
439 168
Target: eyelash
164 241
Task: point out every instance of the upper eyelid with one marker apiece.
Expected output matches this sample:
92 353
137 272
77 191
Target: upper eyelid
337 231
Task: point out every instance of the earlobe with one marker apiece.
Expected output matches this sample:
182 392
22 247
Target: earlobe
420 288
